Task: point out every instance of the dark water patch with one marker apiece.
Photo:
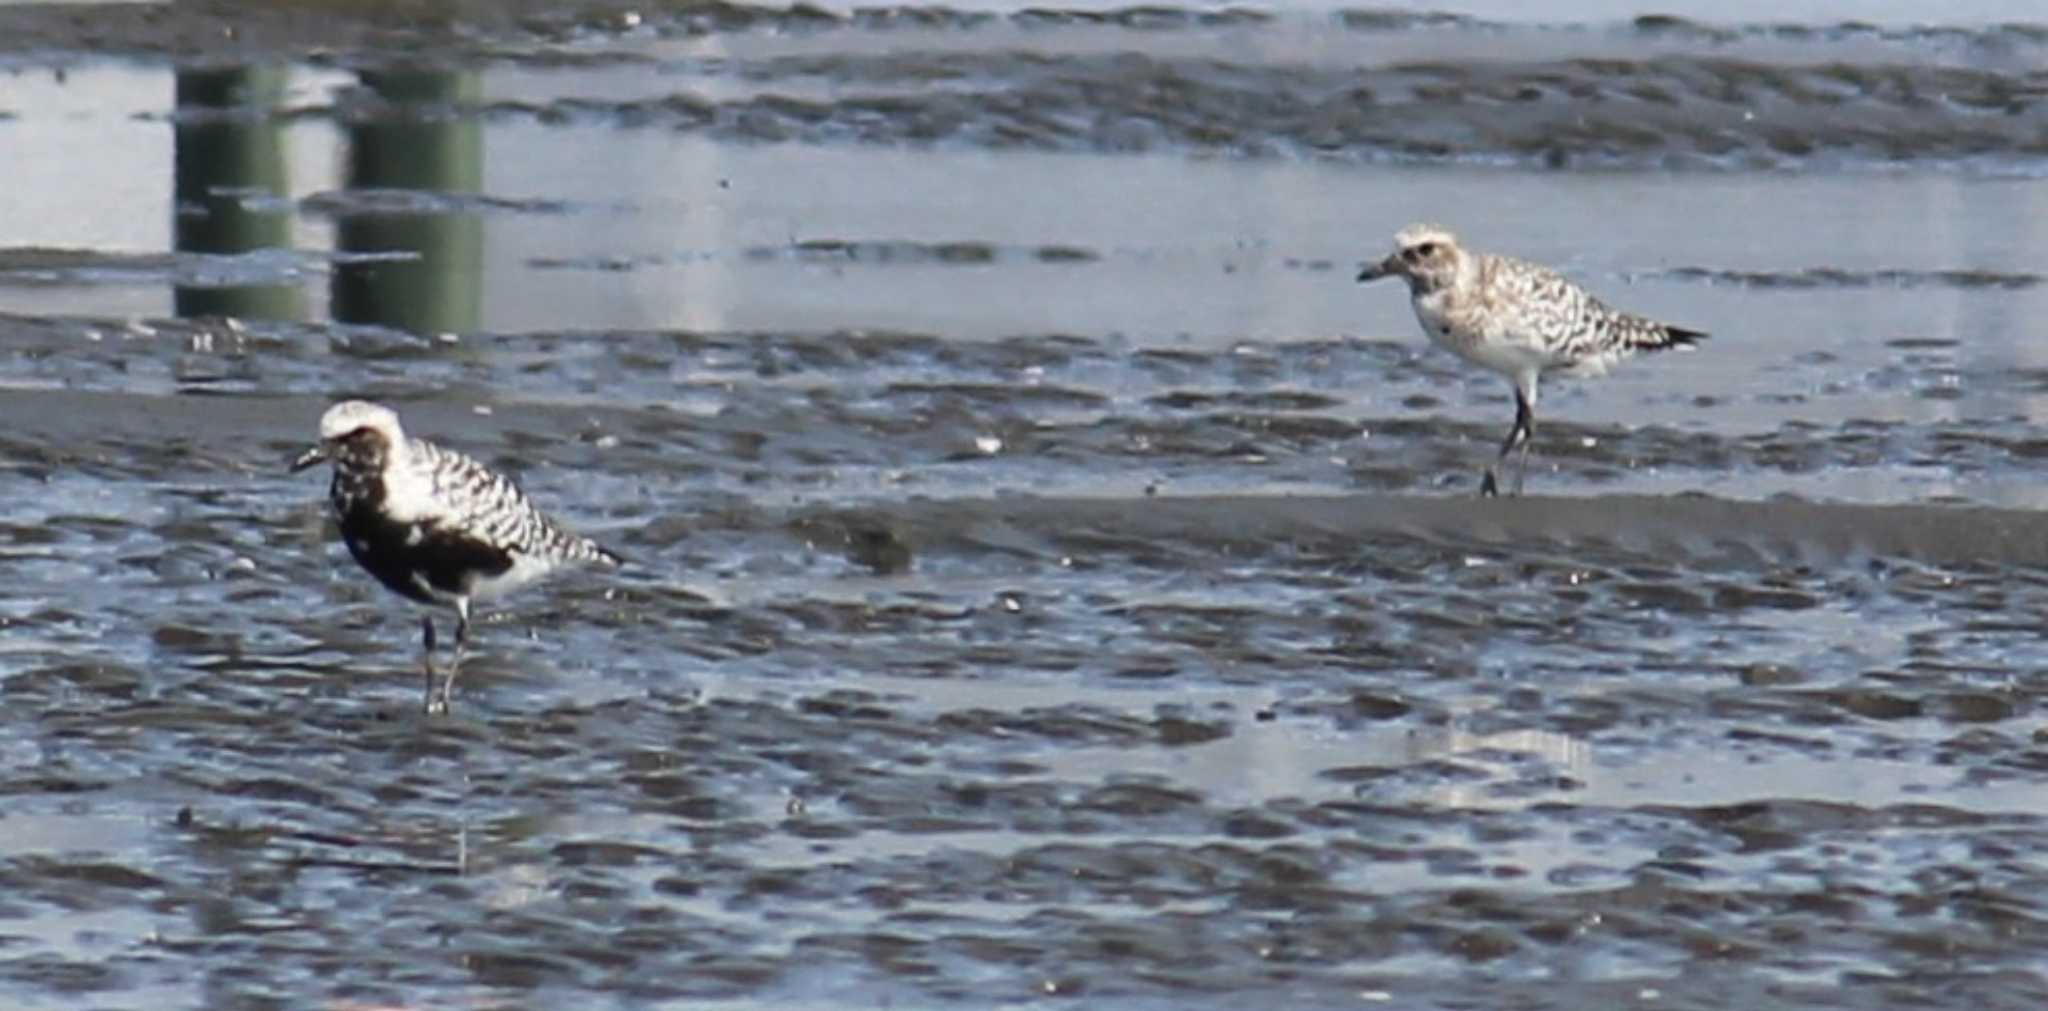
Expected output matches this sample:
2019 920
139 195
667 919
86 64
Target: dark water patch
603 263
1930 534
2000 39
353 34
1679 110
265 267
1380 19
1145 17
937 393
882 251
1078 725
921 17
33 265
1272 401
385 201
815 250
1828 277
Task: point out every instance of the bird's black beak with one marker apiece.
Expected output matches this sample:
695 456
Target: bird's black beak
1375 271
317 454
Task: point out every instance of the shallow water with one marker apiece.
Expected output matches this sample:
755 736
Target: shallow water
1054 577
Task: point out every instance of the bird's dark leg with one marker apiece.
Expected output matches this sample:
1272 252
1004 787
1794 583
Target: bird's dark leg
461 641
1525 420
427 655
1524 429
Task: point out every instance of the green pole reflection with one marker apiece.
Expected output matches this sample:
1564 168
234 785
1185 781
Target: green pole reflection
423 142
229 147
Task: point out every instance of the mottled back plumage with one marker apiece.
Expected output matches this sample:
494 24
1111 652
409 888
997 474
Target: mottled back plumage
486 505
1515 299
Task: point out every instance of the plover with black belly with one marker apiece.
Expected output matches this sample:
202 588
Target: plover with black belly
1520 319
434 525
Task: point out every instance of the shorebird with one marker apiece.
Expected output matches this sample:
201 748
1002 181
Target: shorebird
1519 319
433 525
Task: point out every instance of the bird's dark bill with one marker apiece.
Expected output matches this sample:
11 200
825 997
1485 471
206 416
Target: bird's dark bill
1373 271
317 454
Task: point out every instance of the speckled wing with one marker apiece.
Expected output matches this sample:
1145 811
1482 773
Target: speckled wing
1573 328
1524 306
487 506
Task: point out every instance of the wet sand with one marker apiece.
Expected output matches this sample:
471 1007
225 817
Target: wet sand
1055 581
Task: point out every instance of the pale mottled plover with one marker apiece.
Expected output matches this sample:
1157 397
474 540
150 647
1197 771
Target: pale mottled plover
434 525
1517 318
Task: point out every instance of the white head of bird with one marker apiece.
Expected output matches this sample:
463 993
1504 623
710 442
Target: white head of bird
1428 257
359 422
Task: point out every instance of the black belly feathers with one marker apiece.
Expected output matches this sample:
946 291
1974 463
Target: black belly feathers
411 558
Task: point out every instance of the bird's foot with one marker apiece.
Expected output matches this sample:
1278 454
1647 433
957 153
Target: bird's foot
439 689
437 700
1488 488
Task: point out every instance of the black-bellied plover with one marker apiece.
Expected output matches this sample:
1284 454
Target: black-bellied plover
1517 318
434 525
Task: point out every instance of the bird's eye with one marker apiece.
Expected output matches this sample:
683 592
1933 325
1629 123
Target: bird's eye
1426 249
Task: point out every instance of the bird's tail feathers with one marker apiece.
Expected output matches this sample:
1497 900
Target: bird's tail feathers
1642 334
574 547
601 555
1680 337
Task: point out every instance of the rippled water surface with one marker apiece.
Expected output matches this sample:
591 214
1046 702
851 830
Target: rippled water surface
1055 581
